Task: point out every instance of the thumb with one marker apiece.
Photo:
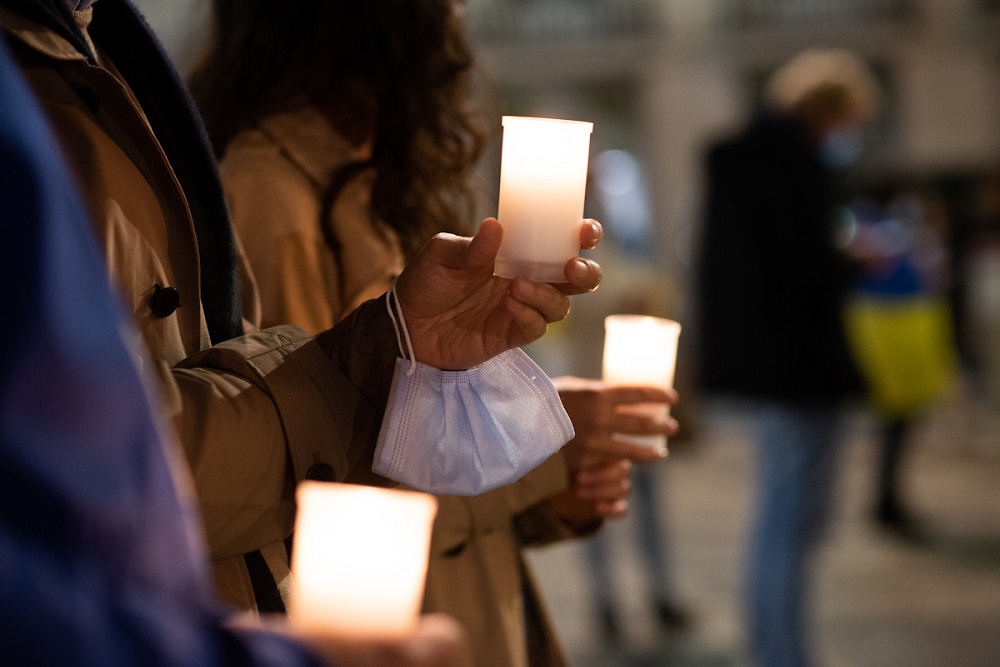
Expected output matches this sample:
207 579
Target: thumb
481 252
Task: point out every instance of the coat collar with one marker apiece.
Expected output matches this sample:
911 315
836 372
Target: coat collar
311 143
123 35
38 37
56 16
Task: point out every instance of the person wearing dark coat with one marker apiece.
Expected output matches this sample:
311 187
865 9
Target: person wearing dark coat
770 287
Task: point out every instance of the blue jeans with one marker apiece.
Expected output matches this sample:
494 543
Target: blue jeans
797 450
651 527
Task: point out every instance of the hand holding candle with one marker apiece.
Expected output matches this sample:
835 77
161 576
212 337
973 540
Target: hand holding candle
359 560
598 461
459 313
597 411
438 641
543 178
641 350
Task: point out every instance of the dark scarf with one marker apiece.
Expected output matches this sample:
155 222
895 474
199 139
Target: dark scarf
126 38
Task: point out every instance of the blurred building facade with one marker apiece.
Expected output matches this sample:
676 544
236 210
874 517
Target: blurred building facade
688 69
661 78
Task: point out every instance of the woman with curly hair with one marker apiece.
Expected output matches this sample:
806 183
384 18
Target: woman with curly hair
347 138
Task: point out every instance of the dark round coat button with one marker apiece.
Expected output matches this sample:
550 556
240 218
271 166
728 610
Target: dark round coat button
165 301
321 472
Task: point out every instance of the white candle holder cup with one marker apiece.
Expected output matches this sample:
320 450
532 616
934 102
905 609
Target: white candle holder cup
641 351
359 561
543 179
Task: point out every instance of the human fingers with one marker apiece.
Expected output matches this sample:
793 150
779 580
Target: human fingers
609 481
481 252
439 641
625 394
582 275
591 234
617 446
595 398
436 277
548 301
585 452
530 324
608 492
615 509
627 423
609 502
605 492
448 251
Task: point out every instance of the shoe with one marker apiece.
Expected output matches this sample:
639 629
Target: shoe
671 616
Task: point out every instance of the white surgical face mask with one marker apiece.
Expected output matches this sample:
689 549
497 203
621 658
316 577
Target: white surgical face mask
467 432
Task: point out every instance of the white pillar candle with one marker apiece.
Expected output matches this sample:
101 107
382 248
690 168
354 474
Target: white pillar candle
543 178
359 560
641 350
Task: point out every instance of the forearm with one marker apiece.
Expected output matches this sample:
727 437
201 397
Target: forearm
262 412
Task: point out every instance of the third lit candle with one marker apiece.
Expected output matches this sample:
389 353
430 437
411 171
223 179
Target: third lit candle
641 350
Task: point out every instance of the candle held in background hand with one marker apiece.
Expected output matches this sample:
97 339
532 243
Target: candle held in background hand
543 179
641 350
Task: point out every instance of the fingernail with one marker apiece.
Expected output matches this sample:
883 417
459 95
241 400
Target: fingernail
597 231
580 267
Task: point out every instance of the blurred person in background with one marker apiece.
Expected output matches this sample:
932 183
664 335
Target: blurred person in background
899 322
771 287
347 138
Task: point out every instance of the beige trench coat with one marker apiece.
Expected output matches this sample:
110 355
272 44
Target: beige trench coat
274 175
255 414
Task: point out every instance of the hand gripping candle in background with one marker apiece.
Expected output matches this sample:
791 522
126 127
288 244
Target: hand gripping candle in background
543 178
641 350
359 561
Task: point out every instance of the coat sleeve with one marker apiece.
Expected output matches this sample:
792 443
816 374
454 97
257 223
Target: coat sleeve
535 523
519 507
260 413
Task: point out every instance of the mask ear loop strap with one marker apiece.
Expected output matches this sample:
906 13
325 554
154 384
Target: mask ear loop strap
399 323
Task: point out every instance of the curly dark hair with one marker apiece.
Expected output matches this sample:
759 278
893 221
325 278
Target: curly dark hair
405 64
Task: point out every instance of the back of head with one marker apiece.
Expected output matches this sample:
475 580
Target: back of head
403 67
265 56
826 88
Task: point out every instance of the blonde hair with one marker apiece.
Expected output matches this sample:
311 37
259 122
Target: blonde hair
823 85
